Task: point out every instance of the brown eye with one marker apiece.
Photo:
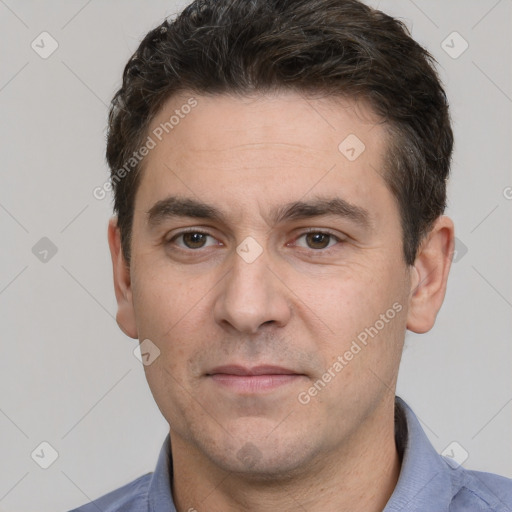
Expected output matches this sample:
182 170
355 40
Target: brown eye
194 240
318 240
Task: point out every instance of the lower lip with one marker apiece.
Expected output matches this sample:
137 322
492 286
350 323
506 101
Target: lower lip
253 383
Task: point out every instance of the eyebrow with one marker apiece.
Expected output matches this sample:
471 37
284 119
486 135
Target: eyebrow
175 207
322 207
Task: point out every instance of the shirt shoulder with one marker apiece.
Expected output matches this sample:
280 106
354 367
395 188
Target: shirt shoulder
483 492
132 497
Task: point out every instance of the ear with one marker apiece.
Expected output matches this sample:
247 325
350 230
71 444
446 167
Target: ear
430 275
122 282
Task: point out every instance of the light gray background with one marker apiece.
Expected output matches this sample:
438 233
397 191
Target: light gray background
68 374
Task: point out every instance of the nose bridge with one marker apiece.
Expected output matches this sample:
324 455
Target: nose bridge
251 295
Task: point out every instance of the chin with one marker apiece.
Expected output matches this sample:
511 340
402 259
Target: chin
263 457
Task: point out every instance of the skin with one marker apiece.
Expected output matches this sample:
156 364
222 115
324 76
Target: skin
299 305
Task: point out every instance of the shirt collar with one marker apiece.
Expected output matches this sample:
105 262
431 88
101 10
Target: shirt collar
159 490
426 481
423 484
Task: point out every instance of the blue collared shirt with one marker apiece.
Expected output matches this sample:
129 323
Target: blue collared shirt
428 482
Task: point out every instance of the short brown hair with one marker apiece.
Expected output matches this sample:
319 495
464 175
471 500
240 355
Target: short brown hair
338 48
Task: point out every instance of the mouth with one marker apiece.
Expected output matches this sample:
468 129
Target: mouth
253 379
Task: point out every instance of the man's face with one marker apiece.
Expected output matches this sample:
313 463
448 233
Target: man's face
259 282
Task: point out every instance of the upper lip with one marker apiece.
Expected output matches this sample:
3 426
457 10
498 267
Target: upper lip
234 369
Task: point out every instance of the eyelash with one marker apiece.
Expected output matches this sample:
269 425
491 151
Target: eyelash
303 233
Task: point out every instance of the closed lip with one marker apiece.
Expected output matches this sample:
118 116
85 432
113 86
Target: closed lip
254 370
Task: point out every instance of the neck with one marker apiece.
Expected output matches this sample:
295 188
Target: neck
360 475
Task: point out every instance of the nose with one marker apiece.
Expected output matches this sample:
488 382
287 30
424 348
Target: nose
251 295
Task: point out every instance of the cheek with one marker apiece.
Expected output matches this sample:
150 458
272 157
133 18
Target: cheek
349 304
345 296
167 303
175 313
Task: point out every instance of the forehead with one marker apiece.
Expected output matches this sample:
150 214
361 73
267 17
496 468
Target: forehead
269 147
313 123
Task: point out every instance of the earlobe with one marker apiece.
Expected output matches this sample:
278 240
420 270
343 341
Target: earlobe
429 276
122 282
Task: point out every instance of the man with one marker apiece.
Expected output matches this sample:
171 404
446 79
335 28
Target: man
279 170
